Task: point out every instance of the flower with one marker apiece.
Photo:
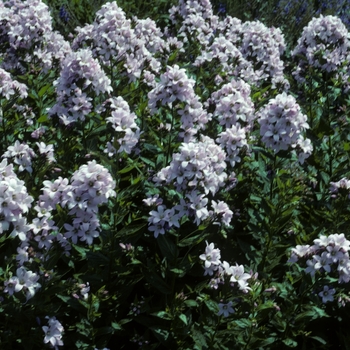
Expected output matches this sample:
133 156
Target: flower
211 256
53 332
327 294
225 309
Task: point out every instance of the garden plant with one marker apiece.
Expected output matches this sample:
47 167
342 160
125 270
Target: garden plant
174 175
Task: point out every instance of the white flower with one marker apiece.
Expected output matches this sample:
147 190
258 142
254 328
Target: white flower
211 256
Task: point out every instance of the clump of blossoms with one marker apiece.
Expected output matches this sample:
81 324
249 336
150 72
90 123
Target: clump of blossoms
282 123
200 164
81 79
90 186
234 110
123 123
324 45
53 332
199 167
223 271
196 19
175 87
22 155
233 105
263 47
112 40
10 87
327 254
223 53
27 33
14 202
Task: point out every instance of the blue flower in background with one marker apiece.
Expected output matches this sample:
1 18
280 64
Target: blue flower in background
222 8
64 14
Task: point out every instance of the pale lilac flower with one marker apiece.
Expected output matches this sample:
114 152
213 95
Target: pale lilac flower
53 332
84 291
327 294
225 309
240 277
342 186
223 212
47 150
36 134
28 281
22 255
211 256
12 285
323 262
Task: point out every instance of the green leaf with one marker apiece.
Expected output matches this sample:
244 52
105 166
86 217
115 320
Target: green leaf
190 303
319 339
183 318
212 306
97 259
157 282
312 314
43 119
162 314
130 230
194 240
116 326
290 342
43 90
199 338
167 247
81 251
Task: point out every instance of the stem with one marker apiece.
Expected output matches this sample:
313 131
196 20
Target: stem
169 139
270 233
4 130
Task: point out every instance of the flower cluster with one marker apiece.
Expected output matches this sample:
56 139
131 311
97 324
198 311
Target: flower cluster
233 105
123 122
263 47
220 270
324 45
25 281
175 87
230 60
27 26
14 202
81 79
22 155
91 185
248 50
327 254
112 40
196 19
199 164
281 123
9 87
163 219
53 332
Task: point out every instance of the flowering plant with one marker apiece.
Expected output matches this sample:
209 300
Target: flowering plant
175 183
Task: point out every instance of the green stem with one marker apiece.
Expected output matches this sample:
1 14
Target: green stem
169 139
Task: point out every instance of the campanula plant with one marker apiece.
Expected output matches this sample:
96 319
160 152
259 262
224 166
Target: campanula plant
178 181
